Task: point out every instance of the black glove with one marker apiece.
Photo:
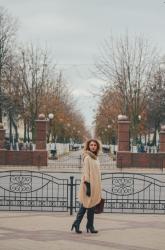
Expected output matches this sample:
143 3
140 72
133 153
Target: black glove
88 188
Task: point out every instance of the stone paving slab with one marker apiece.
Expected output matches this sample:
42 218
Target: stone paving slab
51 231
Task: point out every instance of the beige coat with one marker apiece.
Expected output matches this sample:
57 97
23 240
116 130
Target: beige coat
91 174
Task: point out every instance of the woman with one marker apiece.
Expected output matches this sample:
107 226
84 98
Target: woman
90 187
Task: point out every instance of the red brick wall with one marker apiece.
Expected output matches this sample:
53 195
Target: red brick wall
2 138
124 159
2 156
127 159
140 160
162 141
39 157
24 158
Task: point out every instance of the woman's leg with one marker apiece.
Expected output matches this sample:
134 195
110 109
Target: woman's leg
90 220
79 218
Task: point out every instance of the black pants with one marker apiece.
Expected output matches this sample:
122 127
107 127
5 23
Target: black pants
90 216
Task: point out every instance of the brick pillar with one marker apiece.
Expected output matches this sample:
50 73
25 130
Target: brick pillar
41 129
2 136
123 133
162 139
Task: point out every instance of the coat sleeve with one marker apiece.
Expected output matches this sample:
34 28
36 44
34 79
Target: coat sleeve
86 169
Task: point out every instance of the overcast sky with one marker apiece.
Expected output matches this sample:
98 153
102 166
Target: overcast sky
74 29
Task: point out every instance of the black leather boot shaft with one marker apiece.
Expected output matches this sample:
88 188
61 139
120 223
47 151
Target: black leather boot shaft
78 220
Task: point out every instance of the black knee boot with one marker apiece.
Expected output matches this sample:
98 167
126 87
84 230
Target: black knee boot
90 221
78 220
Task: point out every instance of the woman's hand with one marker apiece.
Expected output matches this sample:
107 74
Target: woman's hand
88 188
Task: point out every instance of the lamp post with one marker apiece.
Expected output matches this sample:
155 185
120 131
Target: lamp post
109 134
131 141
50 116
10 134
78 136
136 121
139 119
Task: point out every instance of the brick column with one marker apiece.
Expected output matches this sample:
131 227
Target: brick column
2 136
162 139
41 129
40 155
123 133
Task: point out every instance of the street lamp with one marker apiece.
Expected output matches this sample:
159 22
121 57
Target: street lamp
68 125
50 116
139 118
78 136
136 121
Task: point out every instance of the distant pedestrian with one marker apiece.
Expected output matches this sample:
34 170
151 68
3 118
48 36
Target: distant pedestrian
90 187
53 149
20 145
31 145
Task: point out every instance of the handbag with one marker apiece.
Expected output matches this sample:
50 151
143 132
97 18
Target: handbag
99 207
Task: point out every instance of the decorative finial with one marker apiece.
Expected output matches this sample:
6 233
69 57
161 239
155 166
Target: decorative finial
41 117
122 118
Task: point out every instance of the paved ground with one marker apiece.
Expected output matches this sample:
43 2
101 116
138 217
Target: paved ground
51 231
51 168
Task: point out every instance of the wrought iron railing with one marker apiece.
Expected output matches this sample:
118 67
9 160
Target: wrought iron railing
133 193
29 190
123 192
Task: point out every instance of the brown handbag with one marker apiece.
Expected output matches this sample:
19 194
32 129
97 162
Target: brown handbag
99 208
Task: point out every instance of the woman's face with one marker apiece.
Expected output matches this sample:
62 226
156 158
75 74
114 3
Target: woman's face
93 146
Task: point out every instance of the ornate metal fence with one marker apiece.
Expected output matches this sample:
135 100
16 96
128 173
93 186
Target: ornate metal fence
28 190
132 193
123 192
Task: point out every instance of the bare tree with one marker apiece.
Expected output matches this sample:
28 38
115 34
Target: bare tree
8 28
44 90
128 65
106 115
68 122
33 77
156 103
12 94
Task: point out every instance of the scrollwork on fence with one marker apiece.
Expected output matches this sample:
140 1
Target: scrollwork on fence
122 185
21 183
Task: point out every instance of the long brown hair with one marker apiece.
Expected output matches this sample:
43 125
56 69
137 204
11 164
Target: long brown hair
86 147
